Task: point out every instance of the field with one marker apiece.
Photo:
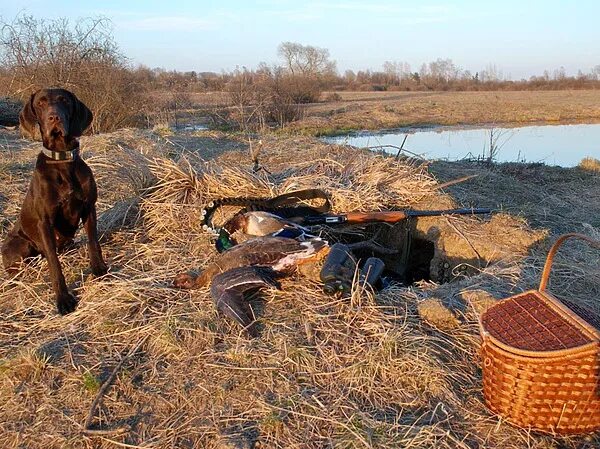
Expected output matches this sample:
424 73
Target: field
341 112
398 368
377 110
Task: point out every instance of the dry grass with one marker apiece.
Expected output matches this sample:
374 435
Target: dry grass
358 372
377 110
198 99
590 164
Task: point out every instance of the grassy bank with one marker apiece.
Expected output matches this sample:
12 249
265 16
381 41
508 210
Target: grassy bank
399 368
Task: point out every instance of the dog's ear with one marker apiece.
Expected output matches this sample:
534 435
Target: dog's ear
82 118
28 121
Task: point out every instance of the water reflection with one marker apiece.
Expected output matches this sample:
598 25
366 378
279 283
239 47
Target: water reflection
563 145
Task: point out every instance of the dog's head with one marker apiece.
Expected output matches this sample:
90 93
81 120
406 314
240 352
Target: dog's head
60 115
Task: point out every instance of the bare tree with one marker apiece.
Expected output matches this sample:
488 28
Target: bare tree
350 76
41 51
249 98
443 70
81 57
491 73
306 60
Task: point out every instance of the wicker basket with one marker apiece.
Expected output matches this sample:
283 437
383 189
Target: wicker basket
541 360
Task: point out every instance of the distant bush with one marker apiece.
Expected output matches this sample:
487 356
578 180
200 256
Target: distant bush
287 93
247 101
301 89
269 97
333 96
590 164
81 57
276 95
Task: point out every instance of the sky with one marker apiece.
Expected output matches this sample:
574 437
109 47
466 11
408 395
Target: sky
521 38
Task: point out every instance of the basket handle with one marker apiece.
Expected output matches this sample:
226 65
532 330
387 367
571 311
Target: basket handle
554 249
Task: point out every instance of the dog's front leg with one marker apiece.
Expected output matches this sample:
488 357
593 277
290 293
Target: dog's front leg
99 268
65 301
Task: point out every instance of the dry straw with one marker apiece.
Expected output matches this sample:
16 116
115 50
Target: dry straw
325 372
590 164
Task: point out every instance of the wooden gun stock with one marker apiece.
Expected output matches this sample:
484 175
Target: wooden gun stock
388 216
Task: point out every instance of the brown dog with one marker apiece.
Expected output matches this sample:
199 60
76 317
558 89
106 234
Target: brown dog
62 191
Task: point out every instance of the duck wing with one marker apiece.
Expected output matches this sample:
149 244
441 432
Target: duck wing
297 233
228 291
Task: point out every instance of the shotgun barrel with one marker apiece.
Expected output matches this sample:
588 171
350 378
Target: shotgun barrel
389 216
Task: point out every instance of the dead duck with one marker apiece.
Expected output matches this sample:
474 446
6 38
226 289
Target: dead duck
251 265
228 290
244 226
281 254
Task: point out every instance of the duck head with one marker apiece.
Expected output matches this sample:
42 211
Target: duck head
224 241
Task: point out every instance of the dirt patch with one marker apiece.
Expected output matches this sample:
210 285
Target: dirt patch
433 312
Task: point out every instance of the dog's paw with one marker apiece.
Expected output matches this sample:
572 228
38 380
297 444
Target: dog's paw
185 280
100 269
66 303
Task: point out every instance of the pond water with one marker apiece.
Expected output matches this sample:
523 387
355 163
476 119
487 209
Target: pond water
563 145
195 127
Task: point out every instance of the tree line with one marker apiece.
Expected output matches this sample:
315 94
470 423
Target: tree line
441 75
84 57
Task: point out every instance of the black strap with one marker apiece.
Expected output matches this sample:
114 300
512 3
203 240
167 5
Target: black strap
295 197
284 205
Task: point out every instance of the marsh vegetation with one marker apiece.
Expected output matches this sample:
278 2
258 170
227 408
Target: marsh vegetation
397 368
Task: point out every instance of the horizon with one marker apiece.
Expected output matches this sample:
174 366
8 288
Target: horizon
521 40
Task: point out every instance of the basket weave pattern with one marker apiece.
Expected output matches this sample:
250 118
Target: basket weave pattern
528 322
541 361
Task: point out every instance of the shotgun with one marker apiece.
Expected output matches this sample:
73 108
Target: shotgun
387 216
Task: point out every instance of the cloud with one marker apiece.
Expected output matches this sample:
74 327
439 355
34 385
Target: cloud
401 14
167 23
386 8
289 12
